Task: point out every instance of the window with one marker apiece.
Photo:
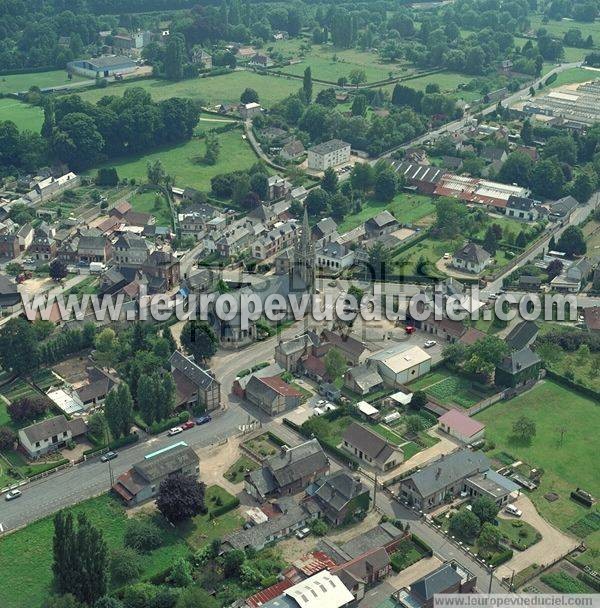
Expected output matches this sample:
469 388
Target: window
37 444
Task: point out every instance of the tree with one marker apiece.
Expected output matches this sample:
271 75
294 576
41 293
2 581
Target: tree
18 346
340 206
7 438
524 429
517 169
155 172
259 183
107 176
465 525
419 400
335 364
357 77
527 132
146 398
385 185
118 410
174 56
125 566
232 563
450 220
106 346
307 85
582 188
58 270
316 202
521 240
181 573
490 536
362 177
359 105
213 148
485 509
329 183
547 178
180 497
554 268
27 409
249 96
142 535
193 597
77 140
62 601
572 241
319 527
108 602
414 424
379 260
490 241
326 97
199 339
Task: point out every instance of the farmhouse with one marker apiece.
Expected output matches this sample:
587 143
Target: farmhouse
400 364
459 425
522 208
141 482
288 472
272 394
292 150
371 448
328 154
49 435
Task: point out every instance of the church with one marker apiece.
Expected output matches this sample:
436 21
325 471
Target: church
295 274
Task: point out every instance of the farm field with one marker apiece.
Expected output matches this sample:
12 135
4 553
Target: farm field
178 161
145 202
26 555
450 389
210 91
15 83
25 116
568 464
574 76
448 82
407 208
559 28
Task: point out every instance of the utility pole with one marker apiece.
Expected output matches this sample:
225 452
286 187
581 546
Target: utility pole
491 577
375 493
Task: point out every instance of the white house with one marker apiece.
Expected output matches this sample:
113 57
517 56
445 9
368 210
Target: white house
522 208
50 435
328 154
334 257
400 364
471 258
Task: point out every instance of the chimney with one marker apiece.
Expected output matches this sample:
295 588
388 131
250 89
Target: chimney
438 472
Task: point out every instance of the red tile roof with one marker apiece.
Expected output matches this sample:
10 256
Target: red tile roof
315 562
280 386
268 594
462 423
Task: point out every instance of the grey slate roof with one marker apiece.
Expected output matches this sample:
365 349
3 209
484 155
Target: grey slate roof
324 227
329 146
447 470
338 489
376 537
368 442
472 252
46 428
295 345
563 206
438 581
382 219
520 202
191 370
161 465
131 241
298 462
519 360
365 377
522 334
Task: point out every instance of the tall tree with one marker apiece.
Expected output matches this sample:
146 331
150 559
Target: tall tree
329 183
180 497
335 364
307 85
174 57
18 346
572 241
199 339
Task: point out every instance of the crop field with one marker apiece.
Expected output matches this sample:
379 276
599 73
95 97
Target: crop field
16 83
210 91
182 162
24 115
18 389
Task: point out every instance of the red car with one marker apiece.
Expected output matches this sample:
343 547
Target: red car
410 329
187 425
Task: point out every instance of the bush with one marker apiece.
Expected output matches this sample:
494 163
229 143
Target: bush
163 425
113 445
225 508
563 583
501 557
125 565
142 535
589 580
422 545
319 527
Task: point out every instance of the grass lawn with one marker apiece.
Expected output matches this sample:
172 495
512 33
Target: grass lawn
559 28
451 389
567 465
407 208
17 389
448 82
519 534
262 446
179 161
25 116
387 433
145 202
15 83
236 472
210 91
573 76
583 368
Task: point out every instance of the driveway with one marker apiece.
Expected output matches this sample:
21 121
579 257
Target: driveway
554 544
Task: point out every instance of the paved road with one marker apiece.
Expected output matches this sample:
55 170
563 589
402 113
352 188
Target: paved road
70 486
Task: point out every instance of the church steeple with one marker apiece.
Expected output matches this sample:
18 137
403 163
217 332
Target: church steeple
303 266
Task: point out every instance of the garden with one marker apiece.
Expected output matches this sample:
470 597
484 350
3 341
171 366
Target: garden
154 203
237 471
261 446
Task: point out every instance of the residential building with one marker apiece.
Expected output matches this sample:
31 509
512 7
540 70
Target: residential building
354 351
450 577
277 187
289 472
574 278
10 298
471 258
492 154
522 334
9 246
260 61
234 241
272 394
400 364
324 231
518 368
49 435
328 154
142 481
289 353
25 236
591 318
529 282
277 239
457 424
383 223
293 150
363 380
447 330
447 477
249 110
561 208
371 448
194 385
43 246
97 386
202 58
334 258
365 570
340 497
522 208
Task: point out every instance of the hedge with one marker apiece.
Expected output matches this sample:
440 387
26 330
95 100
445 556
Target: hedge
584 390
589 580
501 557
563 583
113 445
421 544
275 439
163 425
225 508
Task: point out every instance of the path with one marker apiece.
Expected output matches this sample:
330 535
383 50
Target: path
554 544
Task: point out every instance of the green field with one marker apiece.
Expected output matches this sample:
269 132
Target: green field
450 389
145 202
25 116
15 83
179 161
237 471
26 555
448 82
574 76
210 91
407 208
559 28
568 464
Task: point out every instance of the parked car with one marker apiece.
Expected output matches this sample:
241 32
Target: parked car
410 329
447 256
203 419
303 533
493 296
512 510
429 343
108 456
174 431
12 495
188 425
